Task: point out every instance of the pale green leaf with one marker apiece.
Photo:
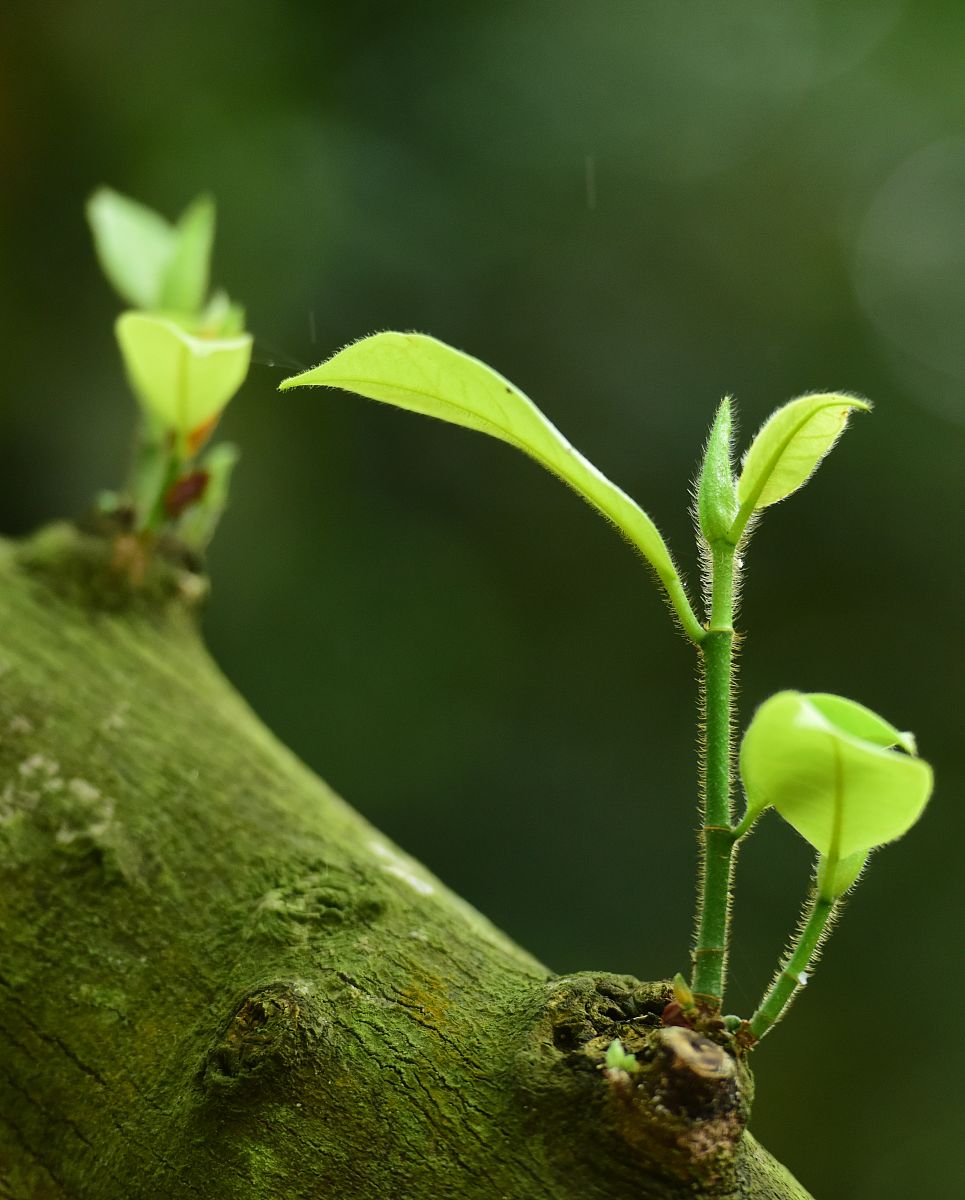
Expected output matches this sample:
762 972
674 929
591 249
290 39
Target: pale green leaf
183 381
843 793
133 244
419 373
185 282
789 447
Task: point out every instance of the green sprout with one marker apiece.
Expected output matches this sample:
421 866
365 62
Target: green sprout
842 776
185 355
617 1059
830 768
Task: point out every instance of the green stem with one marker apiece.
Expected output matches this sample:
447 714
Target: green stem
677 595
793 974
745 824
717 836
157 467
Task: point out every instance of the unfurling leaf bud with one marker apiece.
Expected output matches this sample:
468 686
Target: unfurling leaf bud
716 490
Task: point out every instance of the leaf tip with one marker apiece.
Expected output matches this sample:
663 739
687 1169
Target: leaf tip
303 379
849 401
908 742
203 200
96 198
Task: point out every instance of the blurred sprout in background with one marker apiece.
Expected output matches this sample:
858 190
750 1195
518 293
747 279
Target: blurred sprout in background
185 354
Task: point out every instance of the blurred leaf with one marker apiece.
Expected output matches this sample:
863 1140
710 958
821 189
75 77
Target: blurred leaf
843 793
199 522
419 373
716 495
789 447
185 282
133 245
221 318
183 381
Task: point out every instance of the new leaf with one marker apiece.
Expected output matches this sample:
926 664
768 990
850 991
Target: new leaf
133 245
827 766
155 266
185 282
419 373
182 381
789 448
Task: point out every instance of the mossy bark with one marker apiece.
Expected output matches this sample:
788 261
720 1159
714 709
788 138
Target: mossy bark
218 980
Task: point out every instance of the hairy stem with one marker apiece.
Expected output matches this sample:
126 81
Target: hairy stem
717 836
793 975
677 594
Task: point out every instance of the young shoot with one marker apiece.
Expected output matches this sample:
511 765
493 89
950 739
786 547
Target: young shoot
185 356
617 1059
848 782
840 775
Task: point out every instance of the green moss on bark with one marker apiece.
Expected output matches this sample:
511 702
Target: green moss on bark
218 980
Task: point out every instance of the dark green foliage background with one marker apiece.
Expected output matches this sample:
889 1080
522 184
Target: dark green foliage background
629 209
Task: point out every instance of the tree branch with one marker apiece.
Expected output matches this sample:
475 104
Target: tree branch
218 980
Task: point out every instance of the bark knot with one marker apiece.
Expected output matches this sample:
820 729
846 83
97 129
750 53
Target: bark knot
680 1112
264 1040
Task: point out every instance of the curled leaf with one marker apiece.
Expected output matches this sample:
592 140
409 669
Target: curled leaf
183 381
824 763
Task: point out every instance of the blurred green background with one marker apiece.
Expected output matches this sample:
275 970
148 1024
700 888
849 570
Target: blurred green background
629 209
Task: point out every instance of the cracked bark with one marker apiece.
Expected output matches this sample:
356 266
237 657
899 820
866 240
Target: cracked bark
218 980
